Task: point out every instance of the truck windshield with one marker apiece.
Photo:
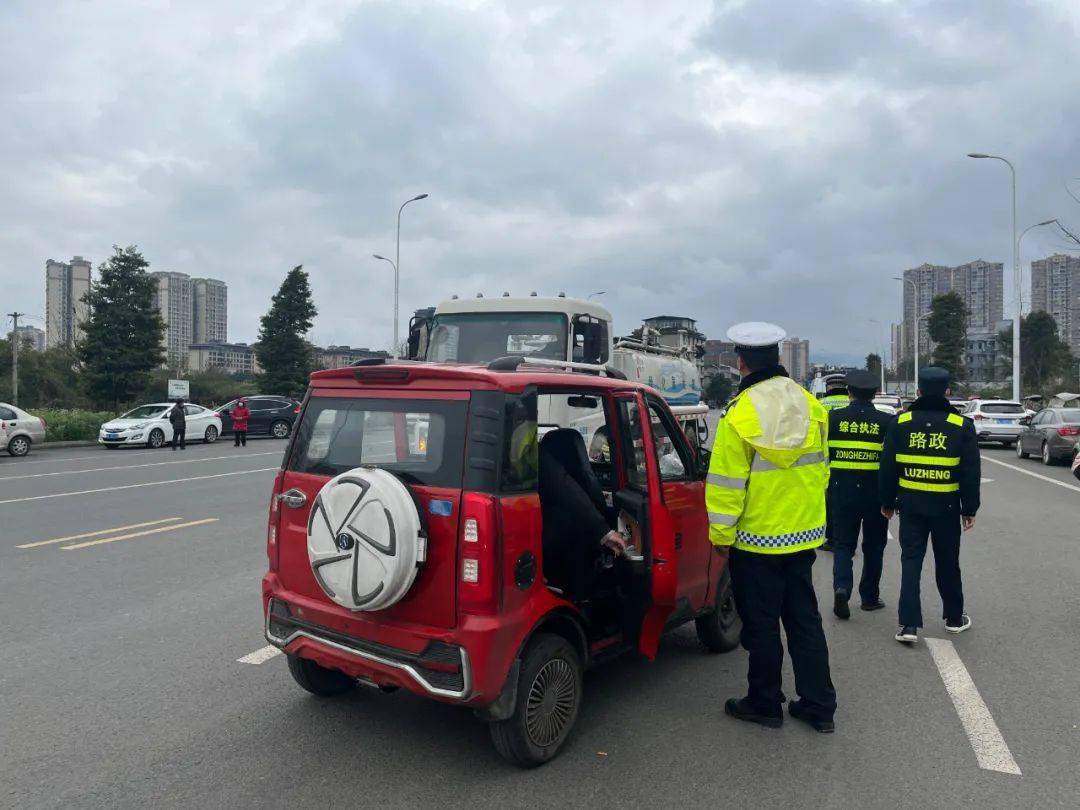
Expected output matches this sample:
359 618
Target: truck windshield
480 337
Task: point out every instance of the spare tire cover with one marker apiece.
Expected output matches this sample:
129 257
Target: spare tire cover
364 539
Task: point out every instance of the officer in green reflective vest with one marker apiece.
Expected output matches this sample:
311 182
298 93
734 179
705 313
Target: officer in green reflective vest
765 494
930 470
836 396
856 434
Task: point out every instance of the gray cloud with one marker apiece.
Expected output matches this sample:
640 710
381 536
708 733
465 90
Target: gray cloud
743 160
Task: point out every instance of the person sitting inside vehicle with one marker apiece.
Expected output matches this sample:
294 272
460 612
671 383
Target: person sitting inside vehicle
577 519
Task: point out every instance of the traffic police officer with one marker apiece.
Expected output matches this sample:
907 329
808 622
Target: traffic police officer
836 394
930 470
856 434
765 494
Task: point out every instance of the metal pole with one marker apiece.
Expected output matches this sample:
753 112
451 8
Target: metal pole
397 272
915 321
15 356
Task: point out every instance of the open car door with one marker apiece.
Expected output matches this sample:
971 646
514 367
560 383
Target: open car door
641 507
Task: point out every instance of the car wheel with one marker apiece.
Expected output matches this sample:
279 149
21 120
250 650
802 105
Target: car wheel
1047 458
211 435
718 630
319 680
1020 451
19 446
155 439
280 429
548 700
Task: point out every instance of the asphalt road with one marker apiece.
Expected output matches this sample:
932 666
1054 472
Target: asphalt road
121 684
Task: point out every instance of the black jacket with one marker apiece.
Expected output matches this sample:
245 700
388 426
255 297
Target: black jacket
860 423
930 462
177 418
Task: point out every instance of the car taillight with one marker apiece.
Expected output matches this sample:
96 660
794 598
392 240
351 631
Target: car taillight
1069 430
479 587
297 408
978 417
272 524
44 424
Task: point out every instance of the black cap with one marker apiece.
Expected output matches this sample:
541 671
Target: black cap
933 381
863 380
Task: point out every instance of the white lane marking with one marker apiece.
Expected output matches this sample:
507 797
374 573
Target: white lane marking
133 535
86 456
99 532
137 486
982 732
260 656
135 466
986 480
1033 474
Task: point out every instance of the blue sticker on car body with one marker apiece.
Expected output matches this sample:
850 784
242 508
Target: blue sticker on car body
441 508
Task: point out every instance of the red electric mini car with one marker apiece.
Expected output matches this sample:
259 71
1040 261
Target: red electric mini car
428 531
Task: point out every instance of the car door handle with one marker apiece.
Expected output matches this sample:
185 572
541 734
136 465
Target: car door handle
293 499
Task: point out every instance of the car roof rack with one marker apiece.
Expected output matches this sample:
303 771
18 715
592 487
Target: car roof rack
514 363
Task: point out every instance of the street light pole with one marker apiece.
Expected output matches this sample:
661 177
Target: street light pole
915 321
15 356
1016 272
394 345
881 348
397 270
1020 242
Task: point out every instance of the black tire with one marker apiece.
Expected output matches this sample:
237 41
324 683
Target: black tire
548 700
1007 445
317 679
19 446
111 446
1020 451
280 429
718 631
156 439
211 435
1047 457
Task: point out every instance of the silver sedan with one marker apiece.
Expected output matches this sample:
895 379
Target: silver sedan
19 430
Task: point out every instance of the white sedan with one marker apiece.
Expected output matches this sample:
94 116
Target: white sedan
149 426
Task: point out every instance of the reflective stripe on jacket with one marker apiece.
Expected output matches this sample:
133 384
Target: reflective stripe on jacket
834 401
765 491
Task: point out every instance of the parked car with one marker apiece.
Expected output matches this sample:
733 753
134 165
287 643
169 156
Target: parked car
1051 434
149 426
997 420
416 560
19 430
269 414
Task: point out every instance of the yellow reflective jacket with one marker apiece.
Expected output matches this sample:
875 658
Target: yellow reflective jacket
765 491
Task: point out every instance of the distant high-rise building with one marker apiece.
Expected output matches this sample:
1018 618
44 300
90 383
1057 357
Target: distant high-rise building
31 335
795 357
979 284
66 283
1055 288
209 306
235 358
896 345
173 299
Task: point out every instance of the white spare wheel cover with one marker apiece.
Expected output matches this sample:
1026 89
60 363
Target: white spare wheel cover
364 539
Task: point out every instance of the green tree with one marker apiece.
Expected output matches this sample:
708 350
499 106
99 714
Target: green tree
1044 356
873 364
286 358
718 389
948 331
121 344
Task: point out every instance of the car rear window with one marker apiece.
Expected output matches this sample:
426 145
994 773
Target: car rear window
1002 407
420 441
1070 414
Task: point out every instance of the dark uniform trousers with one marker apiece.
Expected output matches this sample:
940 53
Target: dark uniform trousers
770 589
847 523
944 533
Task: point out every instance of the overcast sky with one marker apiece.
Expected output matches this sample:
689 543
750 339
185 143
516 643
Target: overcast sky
724 160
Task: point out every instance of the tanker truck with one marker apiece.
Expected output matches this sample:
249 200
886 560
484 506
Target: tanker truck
555 331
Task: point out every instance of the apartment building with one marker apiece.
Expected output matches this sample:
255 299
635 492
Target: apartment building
1055 288
66 283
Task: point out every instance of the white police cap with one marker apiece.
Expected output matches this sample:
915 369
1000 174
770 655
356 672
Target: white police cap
754 334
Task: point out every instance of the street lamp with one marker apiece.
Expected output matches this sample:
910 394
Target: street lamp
397 269
881 348
1020 241
915 320
394 346
1016 272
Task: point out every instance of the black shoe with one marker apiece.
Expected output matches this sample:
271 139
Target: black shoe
840 605
907 634
797 710
958 625
877 604
741 709
826 546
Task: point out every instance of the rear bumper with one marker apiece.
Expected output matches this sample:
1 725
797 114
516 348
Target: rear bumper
994 433
440 669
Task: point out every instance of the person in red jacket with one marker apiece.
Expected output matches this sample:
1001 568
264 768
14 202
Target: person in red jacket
240 415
